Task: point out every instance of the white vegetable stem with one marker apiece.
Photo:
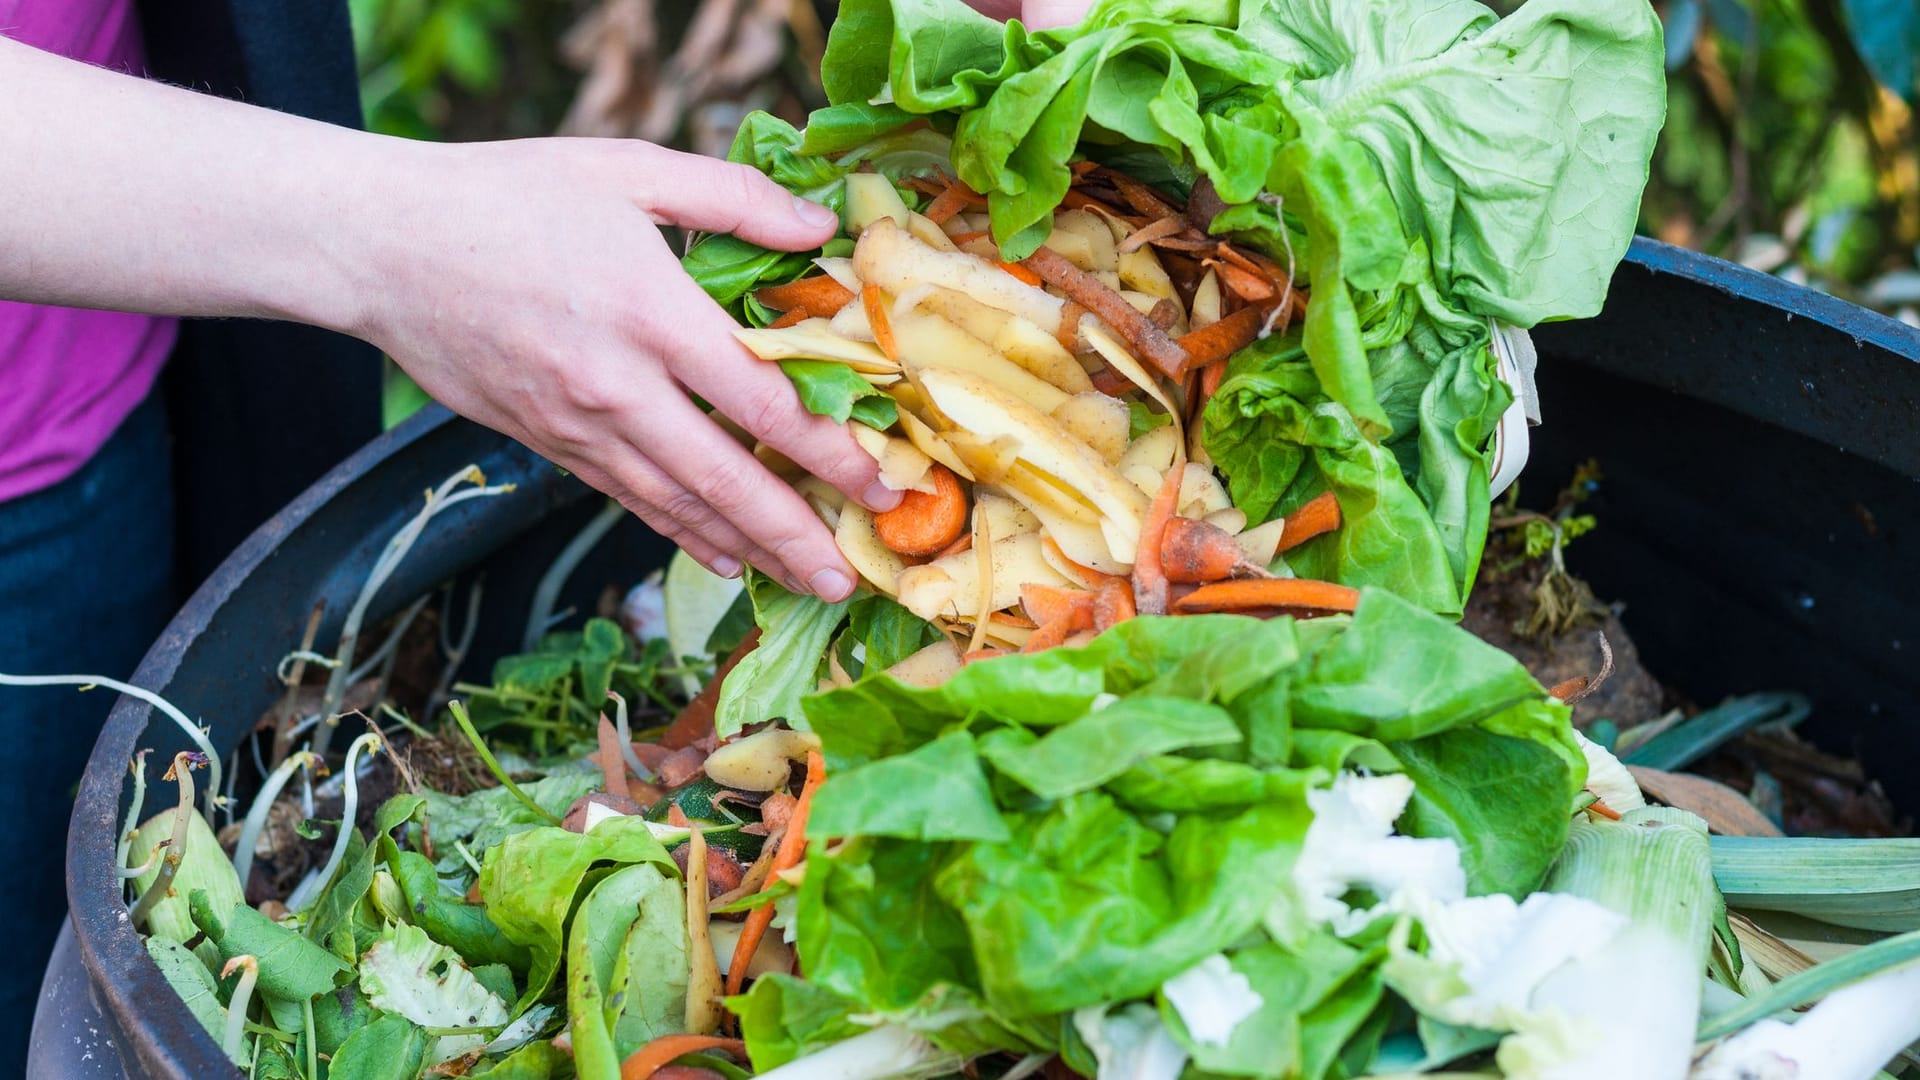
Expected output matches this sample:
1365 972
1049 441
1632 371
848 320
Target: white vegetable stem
236 1038
547 593
1631 1008
192 729
262 806
440 499
887 1052
1850 1035
349 809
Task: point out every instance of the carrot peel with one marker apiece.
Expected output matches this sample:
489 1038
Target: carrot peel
1294 595
793 846
820 296
1149 576
923 523
663 1051
875 304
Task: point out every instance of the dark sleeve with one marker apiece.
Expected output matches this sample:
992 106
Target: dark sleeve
259 409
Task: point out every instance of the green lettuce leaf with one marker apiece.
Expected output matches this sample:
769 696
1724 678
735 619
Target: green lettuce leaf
837 391
769 682
529 882
934 792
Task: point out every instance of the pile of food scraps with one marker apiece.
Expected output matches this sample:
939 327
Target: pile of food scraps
1150 747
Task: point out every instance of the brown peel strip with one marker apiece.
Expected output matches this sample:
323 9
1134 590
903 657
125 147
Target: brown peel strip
1142 336
695 722
1171 225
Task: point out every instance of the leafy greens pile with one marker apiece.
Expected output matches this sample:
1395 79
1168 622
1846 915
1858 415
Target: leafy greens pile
1425 169
1066 852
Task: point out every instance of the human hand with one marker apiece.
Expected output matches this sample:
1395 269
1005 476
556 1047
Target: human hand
1035 14
527 286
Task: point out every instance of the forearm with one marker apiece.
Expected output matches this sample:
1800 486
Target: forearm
125 194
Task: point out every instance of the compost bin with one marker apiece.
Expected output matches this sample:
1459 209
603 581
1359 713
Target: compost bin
1761 515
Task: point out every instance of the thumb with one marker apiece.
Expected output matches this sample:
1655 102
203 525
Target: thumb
709 195
1051 14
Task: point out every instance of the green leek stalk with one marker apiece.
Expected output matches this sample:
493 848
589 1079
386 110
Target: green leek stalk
1631 1008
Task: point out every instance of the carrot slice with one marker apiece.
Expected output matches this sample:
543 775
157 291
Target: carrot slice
978 655
876 307
1050 603
1198 551
661 1052
793 846
965 543
1320 515
1112 605
925 524
1149 577
791 318
1022 273
1068 333
695 722
1257 595
957 197
1146 339
819 296
1217 341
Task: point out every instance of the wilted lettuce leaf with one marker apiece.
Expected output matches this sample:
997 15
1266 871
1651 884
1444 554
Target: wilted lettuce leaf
529 882
1083 755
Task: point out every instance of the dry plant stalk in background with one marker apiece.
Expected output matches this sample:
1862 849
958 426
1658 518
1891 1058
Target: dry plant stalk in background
729 61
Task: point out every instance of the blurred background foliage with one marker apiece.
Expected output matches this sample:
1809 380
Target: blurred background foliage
1790 143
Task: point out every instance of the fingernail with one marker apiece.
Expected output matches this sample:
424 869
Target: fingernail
880 498
830 585
726 566
812 213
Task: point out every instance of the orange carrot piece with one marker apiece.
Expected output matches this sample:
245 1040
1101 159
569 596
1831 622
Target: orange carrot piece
793 847
1211 377
1018 622
1149 576
957 197
925 185
695 722
876 308
1198 551
1600 807
1320 515
662 1051
1050 604
925 524
1147 340
1021 273
1171 225
791 318
819 296
1112 605
1051 635
1286 594
1217 341
613 764
978 655
1242 282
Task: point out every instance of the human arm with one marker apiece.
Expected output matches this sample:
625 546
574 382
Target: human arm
526 284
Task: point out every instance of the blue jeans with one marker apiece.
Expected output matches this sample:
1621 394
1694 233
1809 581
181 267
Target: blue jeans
86 585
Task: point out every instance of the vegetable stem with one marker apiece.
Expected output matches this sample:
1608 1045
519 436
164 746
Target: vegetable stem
547 593
191 729
249 969
262 807
459 712
182 772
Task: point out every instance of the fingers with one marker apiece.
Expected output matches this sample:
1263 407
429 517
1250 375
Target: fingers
1050 14
704 357
710 195
723 487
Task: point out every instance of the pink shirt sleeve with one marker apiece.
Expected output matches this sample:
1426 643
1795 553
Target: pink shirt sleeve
69 377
